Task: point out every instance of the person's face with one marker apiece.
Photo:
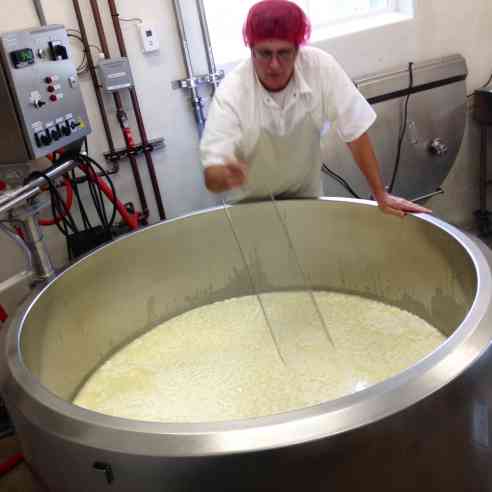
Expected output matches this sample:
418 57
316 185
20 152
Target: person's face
274 62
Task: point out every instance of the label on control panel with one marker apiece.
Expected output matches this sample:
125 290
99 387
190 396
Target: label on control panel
34 96
38 126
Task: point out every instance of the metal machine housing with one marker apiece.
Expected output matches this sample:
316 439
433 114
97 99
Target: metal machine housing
42 107
426 428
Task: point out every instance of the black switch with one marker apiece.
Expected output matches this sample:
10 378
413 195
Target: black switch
46 139
58 50
55 134
66 130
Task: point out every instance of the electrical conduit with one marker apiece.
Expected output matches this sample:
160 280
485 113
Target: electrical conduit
138 114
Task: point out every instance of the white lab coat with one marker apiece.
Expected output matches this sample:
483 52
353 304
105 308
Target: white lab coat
282 146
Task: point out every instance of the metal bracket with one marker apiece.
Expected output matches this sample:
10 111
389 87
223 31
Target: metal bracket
123 153
192 83
438 147
439 191
106 469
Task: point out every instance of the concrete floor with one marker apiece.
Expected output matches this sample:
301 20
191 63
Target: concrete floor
21 479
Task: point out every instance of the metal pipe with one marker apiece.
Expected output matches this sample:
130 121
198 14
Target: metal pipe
19 242
28 272
92 70
119 107
40 12
138 114
35 184
439 191
15 280
197 101
212 68
42 263
19 200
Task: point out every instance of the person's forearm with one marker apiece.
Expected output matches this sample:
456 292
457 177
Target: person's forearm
364 156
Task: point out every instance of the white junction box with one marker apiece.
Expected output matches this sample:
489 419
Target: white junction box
148 37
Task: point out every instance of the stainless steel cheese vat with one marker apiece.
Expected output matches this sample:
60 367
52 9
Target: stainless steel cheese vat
425 429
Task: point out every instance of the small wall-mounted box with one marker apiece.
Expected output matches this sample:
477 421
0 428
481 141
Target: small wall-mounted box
115 74
148 38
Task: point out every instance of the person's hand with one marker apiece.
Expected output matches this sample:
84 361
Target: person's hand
394 205
224 177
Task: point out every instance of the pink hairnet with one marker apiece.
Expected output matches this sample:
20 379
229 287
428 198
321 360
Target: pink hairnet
276 19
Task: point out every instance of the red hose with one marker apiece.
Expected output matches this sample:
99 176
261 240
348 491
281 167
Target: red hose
68 205
3 314
130 219
11 463
20 232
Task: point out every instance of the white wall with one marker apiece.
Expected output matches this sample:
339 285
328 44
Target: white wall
441 27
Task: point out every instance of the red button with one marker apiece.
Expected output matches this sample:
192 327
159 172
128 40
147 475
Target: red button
50 88
3 185
53 97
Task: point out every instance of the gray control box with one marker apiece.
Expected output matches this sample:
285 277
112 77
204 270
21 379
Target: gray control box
42 108
115 74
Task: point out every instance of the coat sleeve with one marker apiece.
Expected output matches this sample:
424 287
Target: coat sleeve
222 135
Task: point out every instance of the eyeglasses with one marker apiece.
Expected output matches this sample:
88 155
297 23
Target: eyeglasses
283 56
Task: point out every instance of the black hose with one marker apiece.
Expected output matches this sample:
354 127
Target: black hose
58 206
83 212
403 131
91 162
342 181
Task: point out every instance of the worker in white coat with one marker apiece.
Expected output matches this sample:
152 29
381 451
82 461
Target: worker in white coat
263 132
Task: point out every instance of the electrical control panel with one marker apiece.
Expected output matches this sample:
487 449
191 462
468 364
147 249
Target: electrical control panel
42 108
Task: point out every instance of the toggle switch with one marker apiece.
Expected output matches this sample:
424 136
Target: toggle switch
45 138
66 130
55 134
38 103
